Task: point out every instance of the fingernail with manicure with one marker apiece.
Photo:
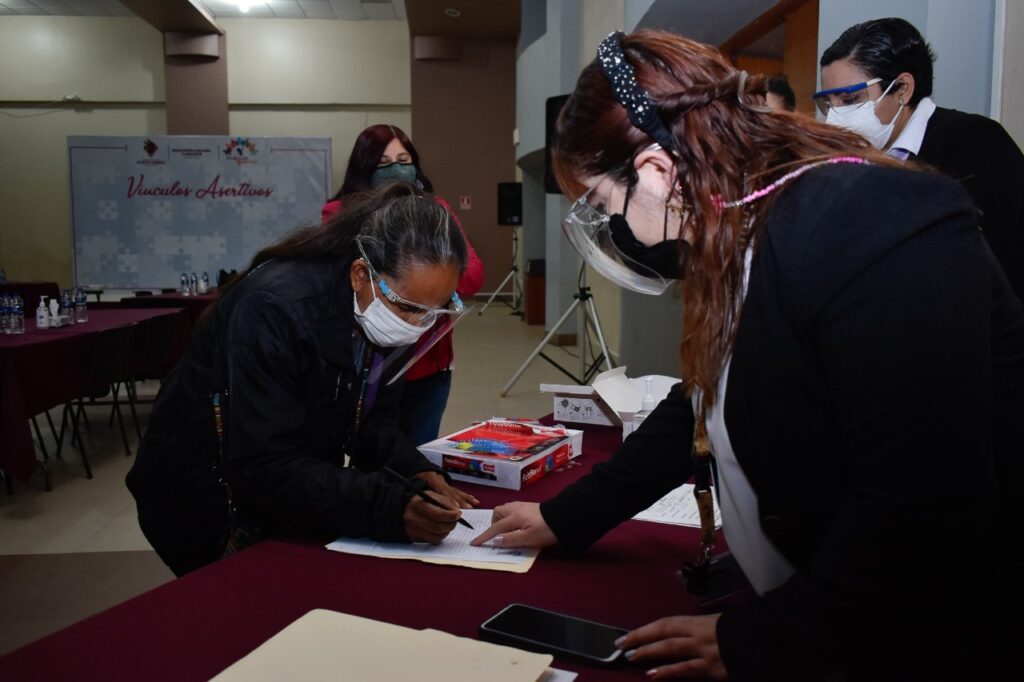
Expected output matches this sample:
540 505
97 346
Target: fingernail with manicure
498 539
630 654
619 641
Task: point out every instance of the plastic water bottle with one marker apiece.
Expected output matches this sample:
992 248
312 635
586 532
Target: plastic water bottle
18 317
67 306
184 285
5 314
205 286
194 284
81 307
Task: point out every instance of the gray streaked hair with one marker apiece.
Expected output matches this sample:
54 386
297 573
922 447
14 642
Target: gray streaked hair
411 228
396 224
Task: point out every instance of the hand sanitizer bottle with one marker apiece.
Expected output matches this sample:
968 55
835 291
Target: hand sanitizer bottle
646 405
54 320
42 314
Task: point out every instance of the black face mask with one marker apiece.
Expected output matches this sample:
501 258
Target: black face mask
666 258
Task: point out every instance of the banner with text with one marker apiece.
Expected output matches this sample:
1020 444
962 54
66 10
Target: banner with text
146 209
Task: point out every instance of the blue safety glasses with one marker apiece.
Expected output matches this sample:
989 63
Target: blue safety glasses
852 96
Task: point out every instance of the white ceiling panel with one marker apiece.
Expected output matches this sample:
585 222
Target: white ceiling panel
317 9
344 10
383 11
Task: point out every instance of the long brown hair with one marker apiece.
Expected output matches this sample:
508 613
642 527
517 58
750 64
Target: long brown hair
724 149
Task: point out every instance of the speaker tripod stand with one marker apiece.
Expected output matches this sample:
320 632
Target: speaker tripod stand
517 281
583 302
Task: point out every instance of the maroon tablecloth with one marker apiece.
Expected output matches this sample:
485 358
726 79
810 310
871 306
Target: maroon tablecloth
41 369
194 627
30 293
195 305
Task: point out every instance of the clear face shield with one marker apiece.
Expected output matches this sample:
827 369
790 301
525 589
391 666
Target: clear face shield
442 327
588 229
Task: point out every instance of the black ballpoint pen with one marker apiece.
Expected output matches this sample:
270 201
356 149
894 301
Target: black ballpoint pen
419 493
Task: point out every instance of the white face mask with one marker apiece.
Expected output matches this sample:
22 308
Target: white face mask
383 327
862 119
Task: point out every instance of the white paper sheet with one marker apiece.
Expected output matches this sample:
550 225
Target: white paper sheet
679 508
454 547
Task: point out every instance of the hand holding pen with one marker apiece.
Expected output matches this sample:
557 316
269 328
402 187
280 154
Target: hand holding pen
428 518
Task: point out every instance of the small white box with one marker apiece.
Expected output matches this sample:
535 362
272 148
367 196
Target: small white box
512 470
612 399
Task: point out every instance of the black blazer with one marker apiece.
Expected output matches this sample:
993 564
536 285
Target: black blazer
979 153
875 396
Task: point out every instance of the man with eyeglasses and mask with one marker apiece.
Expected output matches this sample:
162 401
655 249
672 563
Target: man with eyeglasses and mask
876 80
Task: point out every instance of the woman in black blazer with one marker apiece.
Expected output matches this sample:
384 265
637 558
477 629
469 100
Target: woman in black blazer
893 56
838 301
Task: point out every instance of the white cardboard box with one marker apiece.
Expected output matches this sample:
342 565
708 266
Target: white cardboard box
612 399
464 465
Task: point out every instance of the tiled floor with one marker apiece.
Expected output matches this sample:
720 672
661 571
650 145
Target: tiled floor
95 517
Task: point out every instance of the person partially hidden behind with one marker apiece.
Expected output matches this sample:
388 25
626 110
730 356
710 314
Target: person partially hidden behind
280 417
381 154
780 96
876 80
833 300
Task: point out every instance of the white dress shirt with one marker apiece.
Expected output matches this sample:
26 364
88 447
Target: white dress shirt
762 563
910 138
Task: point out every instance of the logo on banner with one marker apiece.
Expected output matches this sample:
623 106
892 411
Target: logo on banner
241 150
150 148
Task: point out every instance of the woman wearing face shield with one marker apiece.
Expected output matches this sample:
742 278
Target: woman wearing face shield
833 300
282 414
876 80
382 154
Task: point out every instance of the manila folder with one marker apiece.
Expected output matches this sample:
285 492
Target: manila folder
327 645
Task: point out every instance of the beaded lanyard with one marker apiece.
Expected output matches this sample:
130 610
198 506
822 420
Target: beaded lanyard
768 189
698 575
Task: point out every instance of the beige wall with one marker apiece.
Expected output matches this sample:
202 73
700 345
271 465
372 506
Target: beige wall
313 78
288 61
1011 112
116 67
304 78
598 18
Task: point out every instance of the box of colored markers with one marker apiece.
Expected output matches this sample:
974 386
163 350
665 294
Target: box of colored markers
505 453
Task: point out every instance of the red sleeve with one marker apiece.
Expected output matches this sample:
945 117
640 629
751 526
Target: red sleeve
473 278
329 209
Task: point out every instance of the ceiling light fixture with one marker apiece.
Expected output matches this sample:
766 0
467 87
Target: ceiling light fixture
243 5
453 13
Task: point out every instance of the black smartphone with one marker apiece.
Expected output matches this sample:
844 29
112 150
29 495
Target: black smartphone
529 627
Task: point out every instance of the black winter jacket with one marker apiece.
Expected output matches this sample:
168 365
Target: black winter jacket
281 343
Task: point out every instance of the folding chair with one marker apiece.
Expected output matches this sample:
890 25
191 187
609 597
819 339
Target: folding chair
109 360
